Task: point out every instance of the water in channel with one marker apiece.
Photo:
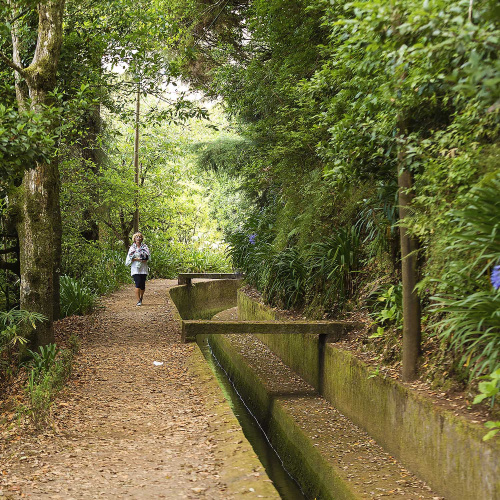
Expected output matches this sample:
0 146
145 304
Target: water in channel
283 482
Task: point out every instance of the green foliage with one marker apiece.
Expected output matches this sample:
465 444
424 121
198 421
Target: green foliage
291 277
387 308
332 265
43 360
92 269
494 429
106 271
51 369
229 154
12 337
375 373
478 230
168 260
328 97
489 388
74 344
470 304
377 221
23 140
286 278
471 327
76 297
39 394
332 96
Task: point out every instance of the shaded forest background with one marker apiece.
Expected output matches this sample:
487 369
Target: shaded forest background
287 170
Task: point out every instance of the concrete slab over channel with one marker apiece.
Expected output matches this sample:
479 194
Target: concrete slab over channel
332 330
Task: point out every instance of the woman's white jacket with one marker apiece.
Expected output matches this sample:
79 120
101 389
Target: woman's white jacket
138 267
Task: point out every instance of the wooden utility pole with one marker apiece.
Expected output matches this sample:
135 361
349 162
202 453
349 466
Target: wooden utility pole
136 156
411 302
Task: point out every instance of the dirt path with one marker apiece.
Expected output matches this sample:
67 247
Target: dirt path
126 428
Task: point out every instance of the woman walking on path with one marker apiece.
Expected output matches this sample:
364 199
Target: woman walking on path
138 257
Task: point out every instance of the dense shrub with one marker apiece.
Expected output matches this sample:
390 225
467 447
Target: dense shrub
322 273
169 258
76 297
12 339
335 99
98 266
51 367
468 299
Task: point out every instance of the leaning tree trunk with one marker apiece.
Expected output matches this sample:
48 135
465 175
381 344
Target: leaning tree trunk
39 218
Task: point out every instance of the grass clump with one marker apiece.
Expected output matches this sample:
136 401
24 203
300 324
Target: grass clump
50 368
76 297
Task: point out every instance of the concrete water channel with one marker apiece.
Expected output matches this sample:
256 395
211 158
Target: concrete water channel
286 486
339 432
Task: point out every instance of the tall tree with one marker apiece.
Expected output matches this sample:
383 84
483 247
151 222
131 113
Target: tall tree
38 212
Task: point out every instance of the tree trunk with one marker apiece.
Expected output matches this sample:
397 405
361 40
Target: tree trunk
39 222
136 156
92 156
39 231
125 228
411 302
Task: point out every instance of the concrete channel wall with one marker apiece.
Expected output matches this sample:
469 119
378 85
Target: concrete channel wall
204 299
445 450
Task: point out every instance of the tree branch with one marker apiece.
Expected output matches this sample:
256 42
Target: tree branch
12 65
112 227
12 21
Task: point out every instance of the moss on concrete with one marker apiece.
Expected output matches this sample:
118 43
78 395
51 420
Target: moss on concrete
240 468
316 478
204 300
328 455
299 352
445 450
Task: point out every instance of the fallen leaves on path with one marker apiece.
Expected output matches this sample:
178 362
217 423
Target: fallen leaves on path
124 427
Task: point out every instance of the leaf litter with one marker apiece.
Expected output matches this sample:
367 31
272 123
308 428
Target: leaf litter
124 427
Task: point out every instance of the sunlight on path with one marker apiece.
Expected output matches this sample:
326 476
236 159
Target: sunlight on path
127 428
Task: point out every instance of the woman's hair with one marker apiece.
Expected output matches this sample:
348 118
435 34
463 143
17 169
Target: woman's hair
135 236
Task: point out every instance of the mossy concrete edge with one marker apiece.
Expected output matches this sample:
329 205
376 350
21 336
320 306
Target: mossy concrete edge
445 450
303 461
204 299
241 468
